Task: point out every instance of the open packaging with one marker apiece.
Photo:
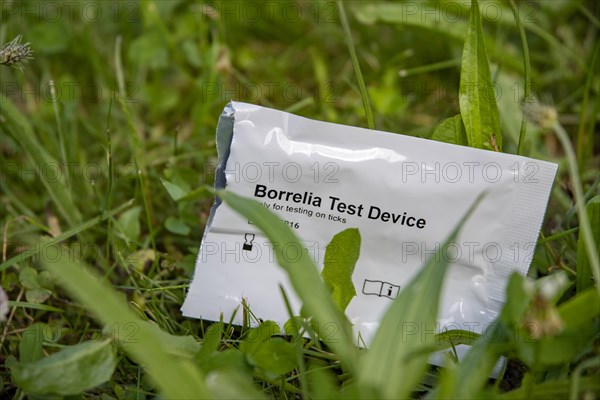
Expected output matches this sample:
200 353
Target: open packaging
404 194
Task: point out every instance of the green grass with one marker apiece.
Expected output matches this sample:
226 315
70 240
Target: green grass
90 162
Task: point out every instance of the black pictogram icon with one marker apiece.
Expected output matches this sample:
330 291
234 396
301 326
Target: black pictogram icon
380 288
248 238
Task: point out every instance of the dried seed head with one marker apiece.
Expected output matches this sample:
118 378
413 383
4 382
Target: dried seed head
15 54
543 115
542 318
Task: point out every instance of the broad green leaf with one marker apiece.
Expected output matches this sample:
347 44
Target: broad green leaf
37 296
517 300
341 255
228 359
177 226
175 377
476 93
197 194
70 371
322 382
192 53
30 347
183 346
149 50
394 352
174 190
260 334
408 14
232 384
29 278
177 193
580 309
275 356
303 273
451 130
292 326
129 223
212 340
46 280
584 270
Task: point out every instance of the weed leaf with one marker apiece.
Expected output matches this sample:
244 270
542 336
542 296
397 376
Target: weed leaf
275 356
182 346
30 347
477 100
341 255
174 191
451 130
69 371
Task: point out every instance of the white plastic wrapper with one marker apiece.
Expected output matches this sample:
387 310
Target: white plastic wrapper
404 194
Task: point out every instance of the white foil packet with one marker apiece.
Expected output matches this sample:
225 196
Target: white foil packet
404 194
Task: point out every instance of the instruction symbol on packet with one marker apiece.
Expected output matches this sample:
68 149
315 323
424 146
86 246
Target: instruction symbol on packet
248 238
380 289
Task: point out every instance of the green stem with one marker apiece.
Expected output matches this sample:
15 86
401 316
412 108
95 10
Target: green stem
430 67
107 202
584 142
584 221
61 138
527 69
356 65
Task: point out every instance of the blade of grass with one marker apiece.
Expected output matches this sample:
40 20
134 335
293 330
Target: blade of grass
302 272
136 145
35 306
394 353
36 248
584 273
527 72
356 65
176 377
585 137
429 67
61 137
107 201
593 19
16 126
